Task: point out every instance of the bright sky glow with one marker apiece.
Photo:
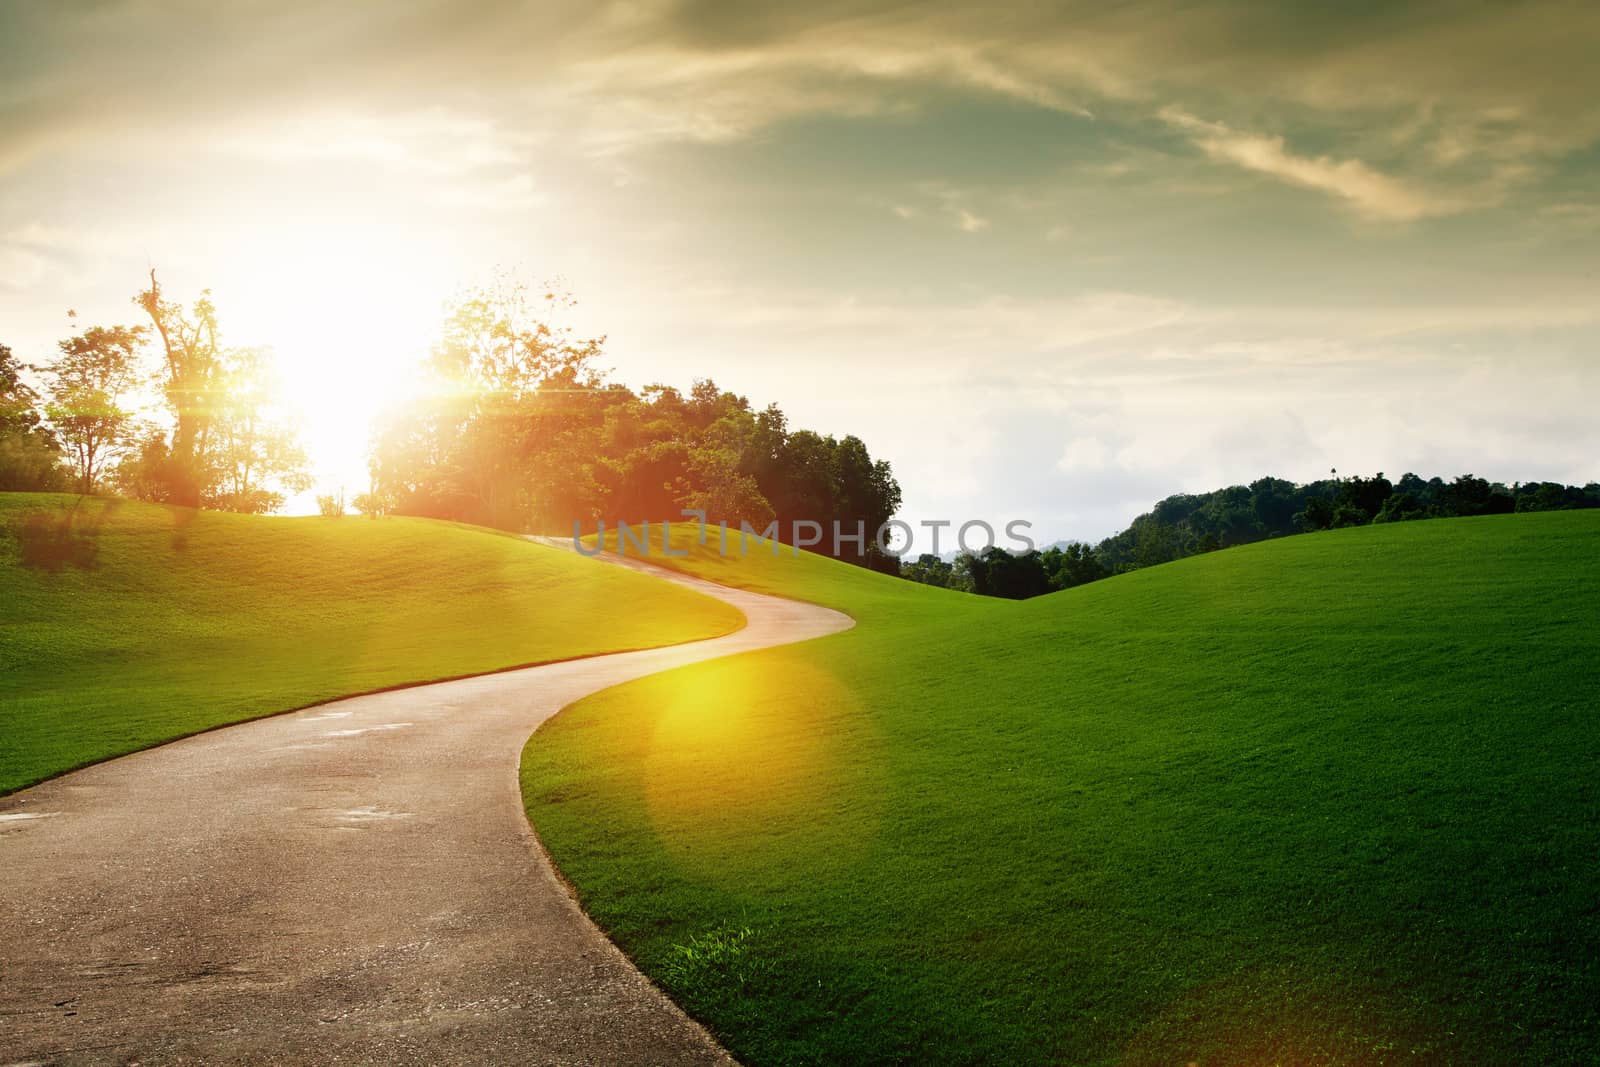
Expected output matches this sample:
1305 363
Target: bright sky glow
1053 265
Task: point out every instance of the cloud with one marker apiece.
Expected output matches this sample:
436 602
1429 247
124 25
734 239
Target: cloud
1468 83
458 130
1086 452
1465 85
942 203
970 223
1373 193
1080 413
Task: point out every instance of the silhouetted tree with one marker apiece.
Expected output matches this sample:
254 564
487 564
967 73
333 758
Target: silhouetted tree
1469 495
253 448
30 454
996 572
145 473
88 383
191 360
1363 497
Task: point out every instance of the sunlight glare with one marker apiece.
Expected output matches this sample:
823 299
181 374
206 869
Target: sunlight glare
348 314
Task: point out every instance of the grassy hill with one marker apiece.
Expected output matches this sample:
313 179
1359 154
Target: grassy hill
127 624
1329 799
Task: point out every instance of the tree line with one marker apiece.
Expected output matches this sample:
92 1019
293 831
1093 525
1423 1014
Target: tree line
224 446
1187 524
519 428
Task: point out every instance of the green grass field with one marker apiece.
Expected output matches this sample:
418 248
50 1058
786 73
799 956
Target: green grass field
127 624
1327 799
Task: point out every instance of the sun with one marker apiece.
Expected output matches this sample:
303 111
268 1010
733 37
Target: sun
348 315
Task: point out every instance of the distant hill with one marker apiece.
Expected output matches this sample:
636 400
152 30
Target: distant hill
1188 524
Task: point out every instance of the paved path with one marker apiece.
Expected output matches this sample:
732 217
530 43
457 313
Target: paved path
354 883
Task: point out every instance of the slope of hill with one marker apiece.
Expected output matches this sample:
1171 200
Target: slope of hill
1327 799
127 624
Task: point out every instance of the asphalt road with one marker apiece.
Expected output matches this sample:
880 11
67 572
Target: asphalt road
353 883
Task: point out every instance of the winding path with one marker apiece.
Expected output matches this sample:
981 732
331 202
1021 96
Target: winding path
353 883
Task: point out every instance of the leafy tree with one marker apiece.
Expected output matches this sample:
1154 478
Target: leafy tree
929 569
804 484
719 484
1469 495
372 504
88 382
1318 514
30 455
1072 564
251 446
1362 498
1401 507
1553 496
230 448
192 359
996 572
145 472
522 431
1274 501
507 432
867 496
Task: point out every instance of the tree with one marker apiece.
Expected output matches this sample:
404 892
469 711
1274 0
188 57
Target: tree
30 455
192 359
145 472
1360 499
372 504
929 569
521 430
1072 564
506 435
1548 496
867 497
996 572
1400 507
252 447
1273 501
804 485
1318 514
88 382
720 486
230 448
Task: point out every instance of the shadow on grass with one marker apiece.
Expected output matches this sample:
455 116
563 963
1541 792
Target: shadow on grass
54 541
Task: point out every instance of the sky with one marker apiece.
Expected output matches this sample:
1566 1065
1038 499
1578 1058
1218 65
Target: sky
1054 262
